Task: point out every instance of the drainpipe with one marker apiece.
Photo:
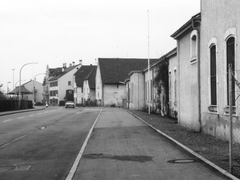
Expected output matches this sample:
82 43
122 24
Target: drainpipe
196 26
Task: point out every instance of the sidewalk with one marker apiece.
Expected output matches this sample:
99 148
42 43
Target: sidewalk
35 108
122 147
213 149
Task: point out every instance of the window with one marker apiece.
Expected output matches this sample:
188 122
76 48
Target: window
54 93
53 84
213 75
230 44
69 83
193 47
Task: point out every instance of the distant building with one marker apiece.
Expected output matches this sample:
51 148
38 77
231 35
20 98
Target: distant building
110 79
59 84
84 86
37 96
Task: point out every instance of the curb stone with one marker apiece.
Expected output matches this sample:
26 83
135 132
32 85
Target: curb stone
20 111
222 171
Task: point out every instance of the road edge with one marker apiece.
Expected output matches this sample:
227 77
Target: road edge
219 169
79 156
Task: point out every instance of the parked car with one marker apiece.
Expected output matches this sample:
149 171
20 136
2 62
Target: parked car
69 104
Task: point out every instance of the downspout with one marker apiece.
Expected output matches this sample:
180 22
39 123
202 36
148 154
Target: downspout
196 26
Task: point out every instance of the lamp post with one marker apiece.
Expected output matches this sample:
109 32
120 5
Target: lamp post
20 81
13 78
34 87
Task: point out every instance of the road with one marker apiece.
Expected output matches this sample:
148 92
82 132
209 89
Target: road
42 144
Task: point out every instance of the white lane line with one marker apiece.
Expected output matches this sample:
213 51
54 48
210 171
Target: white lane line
39 113
79 156
79 112
31 115
7 120
20 117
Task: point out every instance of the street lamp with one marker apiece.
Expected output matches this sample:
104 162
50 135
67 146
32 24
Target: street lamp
20 81
13 78
34 87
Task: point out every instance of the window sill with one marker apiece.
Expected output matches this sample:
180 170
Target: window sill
226 110
213 108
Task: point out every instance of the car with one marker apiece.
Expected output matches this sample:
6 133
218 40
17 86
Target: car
69 104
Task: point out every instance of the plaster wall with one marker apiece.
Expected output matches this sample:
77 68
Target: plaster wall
173 79
99 86
219 21
136 85
114 94
187 86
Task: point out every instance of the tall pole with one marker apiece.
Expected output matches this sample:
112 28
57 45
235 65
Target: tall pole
149 88
230 117
13 78
20 81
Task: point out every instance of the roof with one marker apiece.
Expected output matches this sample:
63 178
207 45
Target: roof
56 73
115 70
86 72
23 90
187 27
167 56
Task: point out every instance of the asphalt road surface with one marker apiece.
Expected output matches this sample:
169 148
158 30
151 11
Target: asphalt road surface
42 144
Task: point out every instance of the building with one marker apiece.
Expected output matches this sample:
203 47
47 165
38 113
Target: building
189 102
220 38
110 79
84 86
60 83
37 96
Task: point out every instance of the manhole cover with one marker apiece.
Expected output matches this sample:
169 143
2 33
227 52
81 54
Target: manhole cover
182 161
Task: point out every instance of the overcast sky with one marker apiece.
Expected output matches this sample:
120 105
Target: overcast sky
53 32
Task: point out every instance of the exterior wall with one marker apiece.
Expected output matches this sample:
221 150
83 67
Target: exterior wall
219 21
87 92
63 83
187 85
146 89
78 96
136 87
173 79
99 86
114 94
38 91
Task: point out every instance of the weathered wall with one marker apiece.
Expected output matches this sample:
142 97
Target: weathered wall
219 21
187 85
136 86
114 94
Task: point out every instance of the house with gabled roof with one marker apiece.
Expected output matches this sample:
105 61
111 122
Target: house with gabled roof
37 96
60 83
110 79
84 86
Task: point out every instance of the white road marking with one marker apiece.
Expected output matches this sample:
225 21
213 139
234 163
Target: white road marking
31 115
7 120
39 113
20 117
79 112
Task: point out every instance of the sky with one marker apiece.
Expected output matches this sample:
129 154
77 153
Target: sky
53 32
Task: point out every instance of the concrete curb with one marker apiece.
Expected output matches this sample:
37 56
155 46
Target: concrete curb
222 171
20 111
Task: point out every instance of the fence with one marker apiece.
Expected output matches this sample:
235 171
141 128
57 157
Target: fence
10 105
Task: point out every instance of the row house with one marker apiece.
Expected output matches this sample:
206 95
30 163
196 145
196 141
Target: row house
206 45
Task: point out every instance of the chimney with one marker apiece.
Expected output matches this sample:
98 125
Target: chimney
80 62
73 63
64 65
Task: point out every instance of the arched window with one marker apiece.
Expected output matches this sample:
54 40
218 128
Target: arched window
230 44
193 46
213 75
